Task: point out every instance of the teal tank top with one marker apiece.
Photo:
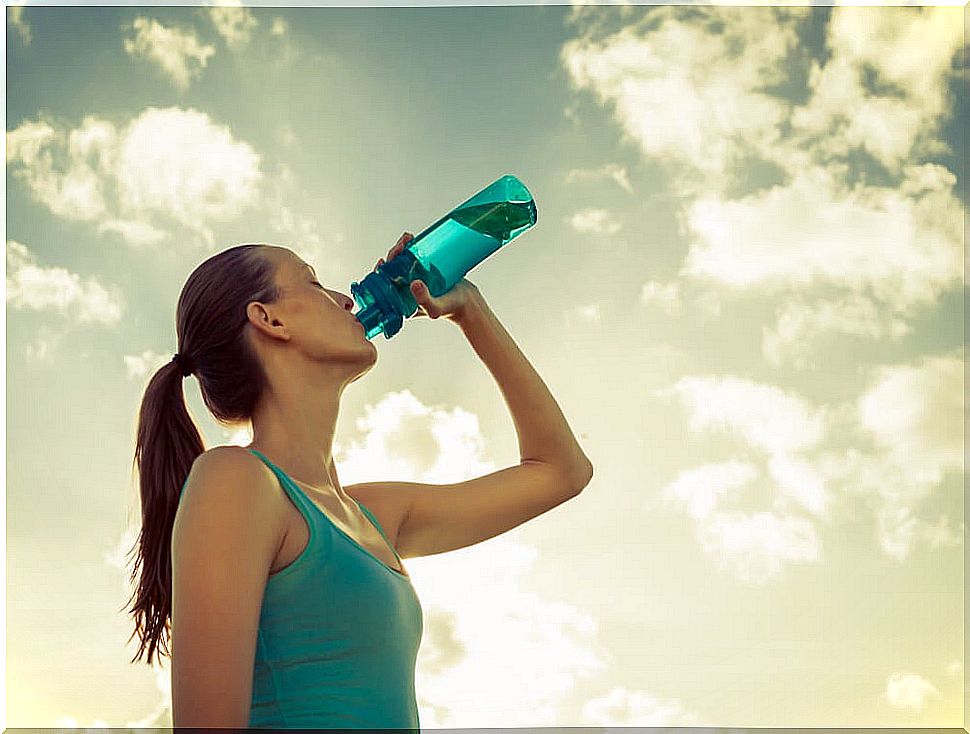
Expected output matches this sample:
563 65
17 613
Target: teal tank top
338 636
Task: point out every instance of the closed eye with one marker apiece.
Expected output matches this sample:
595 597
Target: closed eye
316 283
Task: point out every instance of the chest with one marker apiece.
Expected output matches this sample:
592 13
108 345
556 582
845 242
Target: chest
353 524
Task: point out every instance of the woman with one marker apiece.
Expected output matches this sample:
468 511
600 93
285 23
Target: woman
282 591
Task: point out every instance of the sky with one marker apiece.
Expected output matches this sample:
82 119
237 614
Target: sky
744 288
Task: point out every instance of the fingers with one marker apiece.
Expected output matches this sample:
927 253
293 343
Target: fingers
399 245
420 292
396 250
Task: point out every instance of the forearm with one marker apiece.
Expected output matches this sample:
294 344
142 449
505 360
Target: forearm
543 433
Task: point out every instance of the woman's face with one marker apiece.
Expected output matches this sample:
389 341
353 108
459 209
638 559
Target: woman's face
318 319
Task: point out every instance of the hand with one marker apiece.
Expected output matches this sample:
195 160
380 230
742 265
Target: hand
450 305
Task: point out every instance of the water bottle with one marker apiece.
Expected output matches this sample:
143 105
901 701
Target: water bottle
443 253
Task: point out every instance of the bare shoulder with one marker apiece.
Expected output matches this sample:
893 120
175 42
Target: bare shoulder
233 474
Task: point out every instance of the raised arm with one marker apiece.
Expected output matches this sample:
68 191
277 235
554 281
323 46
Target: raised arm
542 430
436 518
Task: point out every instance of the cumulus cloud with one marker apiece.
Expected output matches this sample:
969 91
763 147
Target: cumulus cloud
687 86
177 52
699 90
611 170
36 287
582 314
908 691
665 296
181 163
905 435
235 24
756 546
279 27
76 191
625 707
752 546
170 163
801 323
762 415
807 233
702 489
15 18
140 366
594 221
915 413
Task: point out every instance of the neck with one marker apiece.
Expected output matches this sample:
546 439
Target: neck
296 433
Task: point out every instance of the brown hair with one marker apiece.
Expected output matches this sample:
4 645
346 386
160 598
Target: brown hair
210 322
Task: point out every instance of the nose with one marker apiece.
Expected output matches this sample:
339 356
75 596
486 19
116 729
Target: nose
348 302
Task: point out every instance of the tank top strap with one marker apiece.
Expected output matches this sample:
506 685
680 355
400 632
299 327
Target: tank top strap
295 493
379 528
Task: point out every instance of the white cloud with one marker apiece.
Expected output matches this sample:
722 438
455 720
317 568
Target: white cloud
915 413
623 707
611 170
693 88
77 192
594 221
664 295
140 366
280 27
176 51
39 288
902 243
171 162
15 17
800 482
955 667
182 164
942 534
477 597
800 324
908 691
909 423
912 417
286 134
702 489
404 438
909 52
44 344
762 415
680 92
234 23
140 234
756 546
583 314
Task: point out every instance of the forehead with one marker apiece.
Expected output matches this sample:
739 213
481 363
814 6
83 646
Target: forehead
291 261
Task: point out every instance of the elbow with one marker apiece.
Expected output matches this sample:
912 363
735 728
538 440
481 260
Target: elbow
583 475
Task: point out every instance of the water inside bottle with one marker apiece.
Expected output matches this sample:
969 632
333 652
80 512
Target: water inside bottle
498 220
467 236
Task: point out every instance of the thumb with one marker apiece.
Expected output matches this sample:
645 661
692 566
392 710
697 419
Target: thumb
418 288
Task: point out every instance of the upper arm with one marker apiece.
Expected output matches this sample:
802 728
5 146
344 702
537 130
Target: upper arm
226 534
436 518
